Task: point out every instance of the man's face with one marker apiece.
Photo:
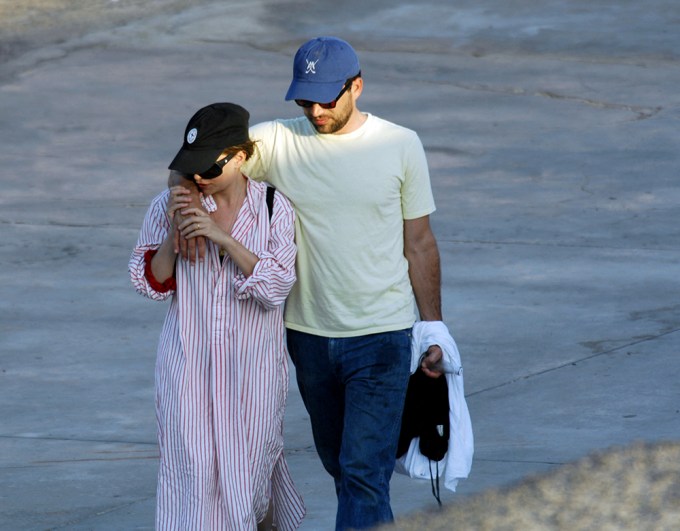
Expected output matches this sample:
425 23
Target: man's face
332 121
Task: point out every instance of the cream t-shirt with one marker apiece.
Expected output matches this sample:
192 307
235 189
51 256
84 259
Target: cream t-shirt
351 194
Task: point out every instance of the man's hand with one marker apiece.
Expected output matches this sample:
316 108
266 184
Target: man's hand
189 248
431 364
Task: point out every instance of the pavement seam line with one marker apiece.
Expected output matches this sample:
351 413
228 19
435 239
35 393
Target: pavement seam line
75 439
574 362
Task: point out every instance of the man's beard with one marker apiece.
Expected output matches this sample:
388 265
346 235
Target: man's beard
334 124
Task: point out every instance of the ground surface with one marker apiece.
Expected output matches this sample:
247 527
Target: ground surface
551 130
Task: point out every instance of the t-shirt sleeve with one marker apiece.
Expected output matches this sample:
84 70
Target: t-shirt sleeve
416 193
257 166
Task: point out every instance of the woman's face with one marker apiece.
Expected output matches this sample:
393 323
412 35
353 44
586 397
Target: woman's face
231 170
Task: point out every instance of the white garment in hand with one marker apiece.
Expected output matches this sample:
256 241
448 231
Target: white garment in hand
457 462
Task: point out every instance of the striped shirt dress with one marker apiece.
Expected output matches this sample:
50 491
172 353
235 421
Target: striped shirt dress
222 374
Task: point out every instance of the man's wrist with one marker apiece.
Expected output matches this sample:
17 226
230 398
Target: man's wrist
179 179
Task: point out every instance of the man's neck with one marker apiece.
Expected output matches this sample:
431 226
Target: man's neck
357 119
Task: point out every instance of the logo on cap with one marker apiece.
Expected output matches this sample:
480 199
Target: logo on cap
191 135
311 66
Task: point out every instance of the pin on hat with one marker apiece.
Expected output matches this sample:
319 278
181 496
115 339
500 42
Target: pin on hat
209 132
320 69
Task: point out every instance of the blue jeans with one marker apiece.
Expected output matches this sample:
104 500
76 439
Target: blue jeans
354 390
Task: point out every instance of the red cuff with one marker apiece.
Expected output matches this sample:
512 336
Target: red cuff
160 287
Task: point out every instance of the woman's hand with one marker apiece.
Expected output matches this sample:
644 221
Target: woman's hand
180 198
185 191
198 223
163 262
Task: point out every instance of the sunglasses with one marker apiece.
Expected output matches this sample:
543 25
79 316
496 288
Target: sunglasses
216 169
331 104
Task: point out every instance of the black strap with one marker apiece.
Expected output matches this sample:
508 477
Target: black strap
270 200
435 486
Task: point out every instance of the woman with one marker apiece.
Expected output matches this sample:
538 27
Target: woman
221 371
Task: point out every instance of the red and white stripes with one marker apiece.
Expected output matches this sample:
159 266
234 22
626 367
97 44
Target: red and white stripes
222 376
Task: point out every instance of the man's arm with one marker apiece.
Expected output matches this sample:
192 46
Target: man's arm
422 254
187 247
420 249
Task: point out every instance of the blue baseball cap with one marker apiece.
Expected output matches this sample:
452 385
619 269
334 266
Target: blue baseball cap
320 69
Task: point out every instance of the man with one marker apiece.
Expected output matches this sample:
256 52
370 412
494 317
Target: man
366 253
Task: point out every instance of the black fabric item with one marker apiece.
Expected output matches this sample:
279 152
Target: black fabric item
426 413
270 200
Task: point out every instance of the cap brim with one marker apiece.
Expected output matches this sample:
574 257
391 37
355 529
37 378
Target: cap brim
318 92
194 161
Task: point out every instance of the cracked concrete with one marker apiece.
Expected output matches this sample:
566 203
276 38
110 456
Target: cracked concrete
551 134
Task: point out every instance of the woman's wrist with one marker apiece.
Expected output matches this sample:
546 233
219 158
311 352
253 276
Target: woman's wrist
226 242
163 260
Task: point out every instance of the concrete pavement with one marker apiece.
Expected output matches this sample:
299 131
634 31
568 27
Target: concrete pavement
551 130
